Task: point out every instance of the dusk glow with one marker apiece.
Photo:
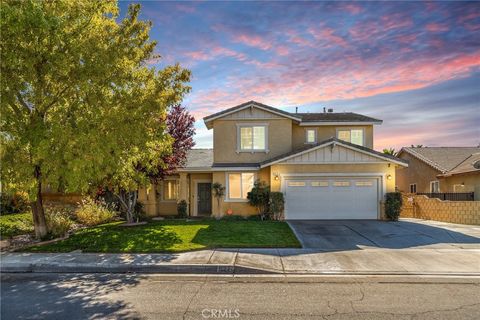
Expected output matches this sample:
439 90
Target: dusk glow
413 64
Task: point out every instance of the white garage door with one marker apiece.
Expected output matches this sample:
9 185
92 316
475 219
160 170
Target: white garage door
331 198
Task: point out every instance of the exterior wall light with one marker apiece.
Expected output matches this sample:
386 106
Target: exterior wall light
389 177
276 177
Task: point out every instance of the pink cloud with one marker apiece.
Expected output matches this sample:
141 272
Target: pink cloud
253 41
282 50
325 34
436 27
351 8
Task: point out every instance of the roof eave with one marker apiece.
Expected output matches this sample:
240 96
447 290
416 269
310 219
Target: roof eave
339 123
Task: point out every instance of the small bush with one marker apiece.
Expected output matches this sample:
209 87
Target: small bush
182 209
14 203
259 197
58 220
92 213
276 205
393 205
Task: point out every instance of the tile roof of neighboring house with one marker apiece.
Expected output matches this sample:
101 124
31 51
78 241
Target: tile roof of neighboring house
335 117
235 164
302 117
443 159
199 158
331 140
471 164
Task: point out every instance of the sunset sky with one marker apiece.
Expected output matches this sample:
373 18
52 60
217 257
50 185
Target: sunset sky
415 65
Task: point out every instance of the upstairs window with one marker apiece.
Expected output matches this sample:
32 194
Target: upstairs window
252 138
310 136
355 136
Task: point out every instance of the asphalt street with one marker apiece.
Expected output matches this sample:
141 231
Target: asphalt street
108 296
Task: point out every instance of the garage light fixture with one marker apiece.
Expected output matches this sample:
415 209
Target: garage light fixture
276 177
389 177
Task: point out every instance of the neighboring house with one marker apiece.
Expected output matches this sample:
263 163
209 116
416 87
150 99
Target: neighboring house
440 169
322 162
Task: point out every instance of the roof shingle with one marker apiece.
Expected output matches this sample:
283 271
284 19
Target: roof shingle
443 159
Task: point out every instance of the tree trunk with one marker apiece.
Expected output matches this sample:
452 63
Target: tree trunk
128 201
39 222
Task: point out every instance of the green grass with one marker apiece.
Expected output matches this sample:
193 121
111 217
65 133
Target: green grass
177 236
15 224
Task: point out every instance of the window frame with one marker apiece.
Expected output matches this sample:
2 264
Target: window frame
351 129
227 186
414 185
251 125
432 183
162 189
314 135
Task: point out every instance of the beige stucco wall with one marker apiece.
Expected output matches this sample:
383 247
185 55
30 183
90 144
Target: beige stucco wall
417 172
422 207
470 180
238 207
326 132
279 169
225 140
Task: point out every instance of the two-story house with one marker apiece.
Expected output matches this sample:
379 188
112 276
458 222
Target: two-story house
324 163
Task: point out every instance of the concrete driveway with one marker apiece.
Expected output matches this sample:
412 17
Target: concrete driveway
333 235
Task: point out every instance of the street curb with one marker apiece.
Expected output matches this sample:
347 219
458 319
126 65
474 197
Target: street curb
207 269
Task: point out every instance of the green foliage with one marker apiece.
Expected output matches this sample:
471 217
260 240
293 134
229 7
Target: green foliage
393 205
276 205
15 224
259 197
390 151
177 236
81 105
182 209
93 212
14 203
58 220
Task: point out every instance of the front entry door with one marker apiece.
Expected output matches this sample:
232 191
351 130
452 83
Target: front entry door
204 198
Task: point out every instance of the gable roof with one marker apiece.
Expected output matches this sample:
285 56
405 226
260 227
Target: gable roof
471 164
325 118
247 105
331 141
442 159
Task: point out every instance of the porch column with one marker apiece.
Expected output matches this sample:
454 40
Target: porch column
183 188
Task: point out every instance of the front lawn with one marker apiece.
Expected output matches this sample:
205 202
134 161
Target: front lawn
15 224
176 236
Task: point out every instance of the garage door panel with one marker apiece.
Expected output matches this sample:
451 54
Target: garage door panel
332 198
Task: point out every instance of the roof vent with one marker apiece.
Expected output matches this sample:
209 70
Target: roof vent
330 110
476 165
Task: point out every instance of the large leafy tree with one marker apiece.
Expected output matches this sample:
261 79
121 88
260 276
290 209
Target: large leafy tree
151 163
78 100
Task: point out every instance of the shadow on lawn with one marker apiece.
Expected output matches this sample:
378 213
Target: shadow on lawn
65 297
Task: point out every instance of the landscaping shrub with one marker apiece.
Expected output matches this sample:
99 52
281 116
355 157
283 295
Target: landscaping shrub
182 209
58 220
218 192
393 205
276 205
14 203
93 212
259 197
15 224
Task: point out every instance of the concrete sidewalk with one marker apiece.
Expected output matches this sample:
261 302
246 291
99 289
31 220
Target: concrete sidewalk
255 261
